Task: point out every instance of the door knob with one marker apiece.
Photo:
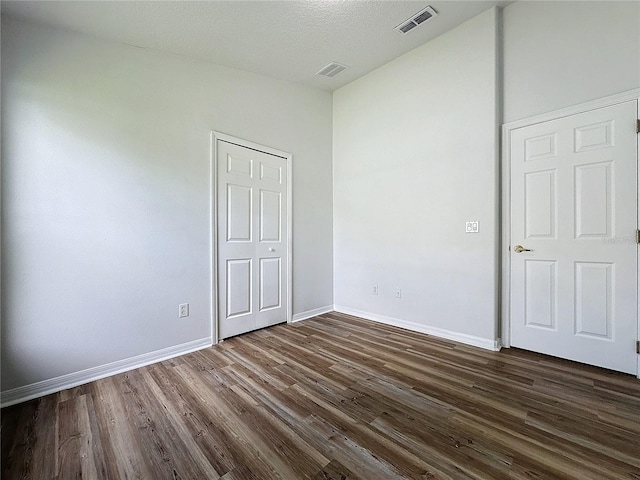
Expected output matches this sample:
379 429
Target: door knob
520 249
272 249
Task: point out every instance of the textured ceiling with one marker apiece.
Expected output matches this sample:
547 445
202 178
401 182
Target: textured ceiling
290 40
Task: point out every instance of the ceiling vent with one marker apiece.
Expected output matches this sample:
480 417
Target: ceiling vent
332 70
420 17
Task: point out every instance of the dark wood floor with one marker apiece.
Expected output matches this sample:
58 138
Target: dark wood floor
334 397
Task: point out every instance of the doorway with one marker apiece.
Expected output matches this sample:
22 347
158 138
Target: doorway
251 206
570 247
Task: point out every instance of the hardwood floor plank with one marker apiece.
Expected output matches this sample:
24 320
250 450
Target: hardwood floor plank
101 447
240 473
305 458
200 424
335 397
160 430
408 464
251 449
439 450
129 455
21 438
336 443
334 470
190 459
548 457
74 455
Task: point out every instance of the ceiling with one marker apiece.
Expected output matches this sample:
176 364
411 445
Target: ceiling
289 40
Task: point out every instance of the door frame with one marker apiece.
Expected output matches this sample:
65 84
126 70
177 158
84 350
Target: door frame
505 257
213 217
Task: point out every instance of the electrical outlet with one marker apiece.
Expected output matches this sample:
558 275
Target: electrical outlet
374 290
398 293
471 227
183 310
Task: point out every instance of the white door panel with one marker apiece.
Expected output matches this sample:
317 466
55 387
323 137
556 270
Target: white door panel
270 283
574 294
270 216
252 239
540 309
239 213
238 287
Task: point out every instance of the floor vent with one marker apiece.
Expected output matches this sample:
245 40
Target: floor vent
332 70
420 17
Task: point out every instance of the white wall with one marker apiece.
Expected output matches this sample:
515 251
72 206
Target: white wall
558 54
415 156
105 195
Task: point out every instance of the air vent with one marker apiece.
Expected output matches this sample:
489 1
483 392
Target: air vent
407 26
332 70
417 19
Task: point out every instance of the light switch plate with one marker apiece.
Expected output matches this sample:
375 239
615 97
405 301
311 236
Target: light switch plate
471 227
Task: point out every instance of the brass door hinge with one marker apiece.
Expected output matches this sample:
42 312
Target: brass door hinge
638 126
638 347
637 236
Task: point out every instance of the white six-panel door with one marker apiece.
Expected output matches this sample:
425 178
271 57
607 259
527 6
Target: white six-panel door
252 239
574 211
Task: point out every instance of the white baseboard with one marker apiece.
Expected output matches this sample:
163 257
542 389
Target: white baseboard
486 343
312 313
53 385
70 380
